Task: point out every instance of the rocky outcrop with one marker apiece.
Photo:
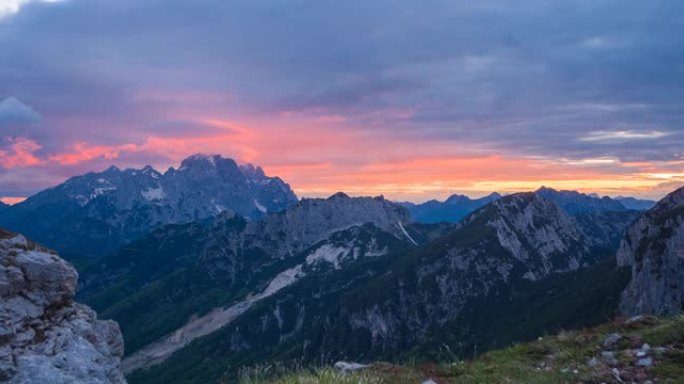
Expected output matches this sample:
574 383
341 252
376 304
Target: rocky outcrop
653 248
96 213
45 337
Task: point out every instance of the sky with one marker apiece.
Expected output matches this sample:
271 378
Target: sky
411 99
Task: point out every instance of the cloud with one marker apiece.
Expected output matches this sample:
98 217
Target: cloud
13 111
82 152
19 154
9 7
622 135
314 81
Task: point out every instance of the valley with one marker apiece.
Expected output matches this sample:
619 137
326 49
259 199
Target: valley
361 279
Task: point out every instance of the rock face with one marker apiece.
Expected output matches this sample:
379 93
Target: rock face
312 220
46 337
522 237
653 248
452 210
94 214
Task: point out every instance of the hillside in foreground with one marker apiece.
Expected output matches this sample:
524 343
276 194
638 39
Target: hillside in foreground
642 349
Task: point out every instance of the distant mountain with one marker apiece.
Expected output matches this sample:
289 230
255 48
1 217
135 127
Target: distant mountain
574 202
605 229
653 248
3 206
96 213
456 207
46 336
636 204
331 300
453 210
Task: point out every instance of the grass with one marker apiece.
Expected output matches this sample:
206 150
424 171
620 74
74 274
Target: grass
562 358
320 376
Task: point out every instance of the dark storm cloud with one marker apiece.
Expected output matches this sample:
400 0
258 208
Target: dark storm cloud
525 78
13 111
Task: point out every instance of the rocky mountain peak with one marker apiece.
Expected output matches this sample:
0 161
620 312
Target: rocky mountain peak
339 196
252 172
671 201
312 220
112 170
119 206
528 204
653 249
46 337
199 160
535 231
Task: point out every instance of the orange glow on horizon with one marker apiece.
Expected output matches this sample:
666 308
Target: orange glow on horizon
318 157
11 200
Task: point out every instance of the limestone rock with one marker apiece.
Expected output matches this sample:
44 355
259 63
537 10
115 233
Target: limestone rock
46 337
653 248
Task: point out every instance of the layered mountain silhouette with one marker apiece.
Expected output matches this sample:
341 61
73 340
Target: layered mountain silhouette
96 213
214 266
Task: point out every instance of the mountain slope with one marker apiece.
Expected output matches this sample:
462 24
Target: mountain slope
155 285
605 229
453 210
388 304
653 248
635 350
96 213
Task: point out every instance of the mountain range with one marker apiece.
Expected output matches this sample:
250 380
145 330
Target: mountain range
96 213
225 268
456 207
332 277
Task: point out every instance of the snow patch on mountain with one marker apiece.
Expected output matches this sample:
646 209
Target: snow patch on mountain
154 194
260 207
403 230
328 253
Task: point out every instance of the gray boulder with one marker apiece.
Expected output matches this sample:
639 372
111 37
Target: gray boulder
44 336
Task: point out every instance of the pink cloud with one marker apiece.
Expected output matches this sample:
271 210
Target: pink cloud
20 154
81 152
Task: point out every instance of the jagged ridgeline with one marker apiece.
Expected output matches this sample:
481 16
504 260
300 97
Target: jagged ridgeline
216 266
96 213
354 278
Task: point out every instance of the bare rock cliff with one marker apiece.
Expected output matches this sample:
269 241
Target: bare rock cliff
45 337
